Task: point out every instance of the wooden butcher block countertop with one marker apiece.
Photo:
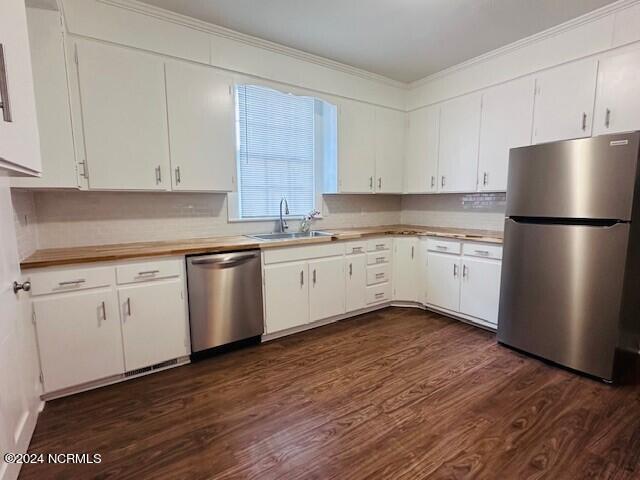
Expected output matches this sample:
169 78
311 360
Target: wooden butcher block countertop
99 253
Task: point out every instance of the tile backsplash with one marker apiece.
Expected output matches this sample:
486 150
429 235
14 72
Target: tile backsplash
49 219
484 211
68 219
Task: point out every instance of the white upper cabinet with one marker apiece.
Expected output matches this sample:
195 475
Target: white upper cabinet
421 165
52 103
124 117
618 98
564 102
459 135
356 147
201 114
19 139
507 118
390 142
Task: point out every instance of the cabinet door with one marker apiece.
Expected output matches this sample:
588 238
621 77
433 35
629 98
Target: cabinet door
480 289
389 138
356 282
52 103
154 323
124 116
459 135
286 291
421 165
443 281
19 139
564 102
201 114
79 338
356 147
507 119
406 263
618 98
326 288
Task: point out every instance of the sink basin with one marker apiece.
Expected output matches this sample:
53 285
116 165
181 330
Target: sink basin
287 235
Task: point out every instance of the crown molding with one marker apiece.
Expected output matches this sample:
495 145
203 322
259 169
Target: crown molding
537 37
216 30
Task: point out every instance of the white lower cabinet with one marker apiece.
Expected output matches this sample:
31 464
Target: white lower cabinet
153 322
356 282
94 323
407 284
286 296
326 290
480 288
466 280
443 284
79 337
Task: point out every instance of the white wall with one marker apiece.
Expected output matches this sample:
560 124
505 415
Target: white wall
26 222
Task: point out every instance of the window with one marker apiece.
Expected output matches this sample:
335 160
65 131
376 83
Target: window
282 142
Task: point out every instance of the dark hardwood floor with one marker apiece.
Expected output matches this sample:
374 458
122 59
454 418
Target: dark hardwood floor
398 393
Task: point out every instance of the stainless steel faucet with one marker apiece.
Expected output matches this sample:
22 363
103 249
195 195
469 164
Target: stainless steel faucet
283 222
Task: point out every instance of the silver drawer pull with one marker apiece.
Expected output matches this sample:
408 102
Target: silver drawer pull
4 89
379 295
440 247
380 260
148 272
72 282
356 250
380 246
104 311
379 275
482 252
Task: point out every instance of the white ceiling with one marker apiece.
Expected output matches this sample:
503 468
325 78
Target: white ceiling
401 39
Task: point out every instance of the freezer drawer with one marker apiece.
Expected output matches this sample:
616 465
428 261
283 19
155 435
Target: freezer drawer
585 178
561 292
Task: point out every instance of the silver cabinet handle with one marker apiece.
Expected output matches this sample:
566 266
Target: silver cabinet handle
356 250
607 118
380 260
584 121
441 247
442 181
464 271
301 277
482 252
379 295
26 286
380 246
314 276
104 311
215 259
379 182
148 272
158 175
4 89
370 183
351 269
455 270
177 175
380 275
412 251
129 306
433 181
485 179
72 282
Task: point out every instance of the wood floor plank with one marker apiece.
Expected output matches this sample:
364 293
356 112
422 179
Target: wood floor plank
398 393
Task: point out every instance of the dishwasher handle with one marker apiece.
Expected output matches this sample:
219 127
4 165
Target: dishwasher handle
223 261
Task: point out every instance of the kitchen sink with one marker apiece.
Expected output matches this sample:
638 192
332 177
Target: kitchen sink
287 235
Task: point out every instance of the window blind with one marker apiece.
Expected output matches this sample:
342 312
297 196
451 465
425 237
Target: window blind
275 151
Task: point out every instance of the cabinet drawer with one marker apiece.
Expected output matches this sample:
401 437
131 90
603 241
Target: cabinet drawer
482 250
379 293
353 248
444 246
304 252
68 280
144 271
378 244
378 274
374 258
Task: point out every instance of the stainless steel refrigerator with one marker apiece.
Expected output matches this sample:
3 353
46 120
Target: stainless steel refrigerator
570 288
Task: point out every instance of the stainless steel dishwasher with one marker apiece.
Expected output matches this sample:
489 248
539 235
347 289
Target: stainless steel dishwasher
225 298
